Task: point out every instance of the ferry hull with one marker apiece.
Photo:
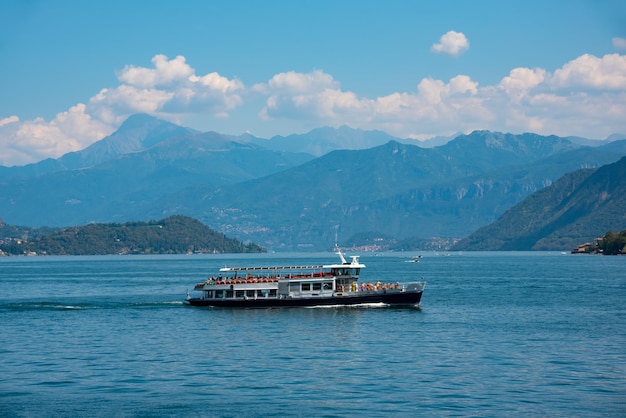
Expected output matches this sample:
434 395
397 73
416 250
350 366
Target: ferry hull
390 298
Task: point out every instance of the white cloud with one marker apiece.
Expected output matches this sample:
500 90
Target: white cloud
35 140
170 90
462 84
292 82
311 96
431 90
521 80
451 43
10 119
584 97
619 44
318 98
114 105
163 73
591 72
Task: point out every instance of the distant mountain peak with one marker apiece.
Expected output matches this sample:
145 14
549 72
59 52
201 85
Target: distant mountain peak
320 141
137 133
138 120
615 137
526 144
145 130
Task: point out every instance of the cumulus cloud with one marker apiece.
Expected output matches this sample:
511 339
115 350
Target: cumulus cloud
10 119
170 89
521 80
311 96
591 72
318 97
164 72
584 97
619 44
298 83
451 43
38 139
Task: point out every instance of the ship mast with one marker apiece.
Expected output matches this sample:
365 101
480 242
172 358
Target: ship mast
340 254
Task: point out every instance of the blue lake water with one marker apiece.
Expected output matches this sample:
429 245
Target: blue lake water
498 334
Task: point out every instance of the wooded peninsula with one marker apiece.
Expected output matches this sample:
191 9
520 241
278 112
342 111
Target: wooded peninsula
174 235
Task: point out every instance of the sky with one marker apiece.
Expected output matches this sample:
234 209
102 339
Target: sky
72 71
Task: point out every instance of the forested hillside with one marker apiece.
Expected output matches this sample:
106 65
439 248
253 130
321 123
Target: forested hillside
579 207
173 235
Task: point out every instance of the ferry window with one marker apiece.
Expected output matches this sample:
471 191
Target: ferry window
261 293
306 287
238 293
219 293
250 293
317 286
229 293
272 293
328 285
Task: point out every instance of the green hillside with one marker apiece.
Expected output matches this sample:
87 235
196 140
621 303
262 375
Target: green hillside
173 235
579 207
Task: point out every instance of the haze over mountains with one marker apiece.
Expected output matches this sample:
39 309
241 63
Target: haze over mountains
295 192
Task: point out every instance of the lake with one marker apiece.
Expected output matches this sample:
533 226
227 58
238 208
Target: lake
497 334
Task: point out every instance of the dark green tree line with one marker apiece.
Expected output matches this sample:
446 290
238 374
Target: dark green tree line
613 243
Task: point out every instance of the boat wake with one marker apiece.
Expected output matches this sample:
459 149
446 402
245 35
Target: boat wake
60 306
157 304
45 306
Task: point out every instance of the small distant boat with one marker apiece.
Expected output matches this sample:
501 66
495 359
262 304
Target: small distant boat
415 259
295 286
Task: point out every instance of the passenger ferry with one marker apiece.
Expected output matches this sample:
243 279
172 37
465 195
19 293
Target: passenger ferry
293 286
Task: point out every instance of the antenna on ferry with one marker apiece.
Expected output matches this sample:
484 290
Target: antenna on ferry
340 254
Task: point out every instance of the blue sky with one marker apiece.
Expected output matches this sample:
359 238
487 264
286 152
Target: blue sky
73 71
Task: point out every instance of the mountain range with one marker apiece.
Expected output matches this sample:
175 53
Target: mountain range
303 191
